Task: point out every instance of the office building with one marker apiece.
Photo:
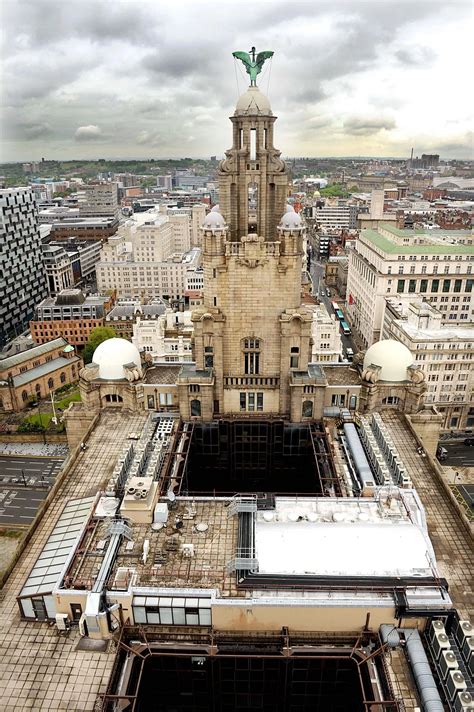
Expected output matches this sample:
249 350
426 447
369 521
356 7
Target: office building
23 282
445 353
434 265
69 315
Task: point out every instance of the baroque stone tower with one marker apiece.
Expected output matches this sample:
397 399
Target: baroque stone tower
251 335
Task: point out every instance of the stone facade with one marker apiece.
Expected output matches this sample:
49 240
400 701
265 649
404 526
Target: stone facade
251 332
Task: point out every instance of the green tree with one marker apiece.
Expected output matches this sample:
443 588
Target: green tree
98 335
335 191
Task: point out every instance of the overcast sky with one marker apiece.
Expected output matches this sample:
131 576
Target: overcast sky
143 78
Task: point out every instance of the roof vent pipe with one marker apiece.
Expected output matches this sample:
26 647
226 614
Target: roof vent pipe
419 664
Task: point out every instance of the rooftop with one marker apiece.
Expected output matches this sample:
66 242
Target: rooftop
32 353
162 375
341 375
342 531
43 370
386 245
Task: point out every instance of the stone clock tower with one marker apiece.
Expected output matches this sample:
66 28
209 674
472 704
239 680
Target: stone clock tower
251 335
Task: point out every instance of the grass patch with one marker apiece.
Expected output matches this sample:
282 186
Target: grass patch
41 419
64 402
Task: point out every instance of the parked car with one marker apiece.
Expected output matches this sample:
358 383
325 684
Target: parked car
469 441
441 453
328 292
350 353
322 292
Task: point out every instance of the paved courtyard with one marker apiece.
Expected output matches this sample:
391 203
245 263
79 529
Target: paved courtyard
40 669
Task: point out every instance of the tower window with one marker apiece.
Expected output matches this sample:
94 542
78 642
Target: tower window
251 356
253 144
195 408
294 357
208 356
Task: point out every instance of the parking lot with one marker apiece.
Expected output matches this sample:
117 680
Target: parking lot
24 484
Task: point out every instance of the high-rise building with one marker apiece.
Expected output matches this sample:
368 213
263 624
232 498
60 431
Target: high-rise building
23 282
435 265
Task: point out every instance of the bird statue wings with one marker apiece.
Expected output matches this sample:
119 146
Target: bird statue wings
253 65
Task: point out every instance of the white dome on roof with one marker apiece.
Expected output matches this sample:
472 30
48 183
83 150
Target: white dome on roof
253 102
215 209
289 208
393 358
213 221
291 220
112 355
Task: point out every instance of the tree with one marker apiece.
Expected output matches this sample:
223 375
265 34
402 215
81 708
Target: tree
98 335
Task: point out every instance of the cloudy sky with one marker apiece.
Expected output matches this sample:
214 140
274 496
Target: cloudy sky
144 78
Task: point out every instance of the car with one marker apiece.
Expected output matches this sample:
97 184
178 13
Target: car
349 353
469 442
322 292
328 292
441 453
33 404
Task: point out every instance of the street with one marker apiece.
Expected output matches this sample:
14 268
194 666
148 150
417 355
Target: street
24 484
459 455
317 275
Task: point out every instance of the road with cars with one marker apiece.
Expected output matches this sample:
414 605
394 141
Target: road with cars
321 291
459 454
24 484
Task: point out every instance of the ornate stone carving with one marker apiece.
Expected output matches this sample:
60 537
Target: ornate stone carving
371 373
90 372
415 374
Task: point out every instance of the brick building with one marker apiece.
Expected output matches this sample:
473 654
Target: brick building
37 372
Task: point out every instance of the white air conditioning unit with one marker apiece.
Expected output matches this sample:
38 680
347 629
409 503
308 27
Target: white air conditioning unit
436 627
447 662
440 643
187 550
455 683
468 649
462 630
464 702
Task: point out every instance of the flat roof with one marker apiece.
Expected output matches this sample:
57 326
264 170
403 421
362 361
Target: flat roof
331 537
386 245
341 375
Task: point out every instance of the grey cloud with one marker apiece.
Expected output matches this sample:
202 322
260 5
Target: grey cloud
88 133
33 131
357 126
415 56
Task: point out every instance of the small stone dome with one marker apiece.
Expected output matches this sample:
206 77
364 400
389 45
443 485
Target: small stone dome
253 102
289 209
215 209
213 221
112 355
291 221
393 358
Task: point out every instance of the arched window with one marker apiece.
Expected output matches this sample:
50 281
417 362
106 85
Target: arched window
307 409
24 396
391 400
195 407
63 377
38 389
50 384
251 349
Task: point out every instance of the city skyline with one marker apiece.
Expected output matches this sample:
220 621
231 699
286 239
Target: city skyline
358 79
